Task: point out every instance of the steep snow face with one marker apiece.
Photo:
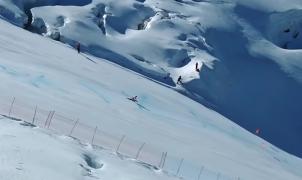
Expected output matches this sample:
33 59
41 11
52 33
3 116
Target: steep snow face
256 83
12 13
19 13
54 76
244 73
249 71
269 5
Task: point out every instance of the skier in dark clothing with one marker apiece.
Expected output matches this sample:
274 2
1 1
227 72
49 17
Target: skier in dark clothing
196 67
134 99
79 47
179 80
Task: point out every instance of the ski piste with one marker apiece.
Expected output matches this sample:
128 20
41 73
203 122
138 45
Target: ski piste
232 86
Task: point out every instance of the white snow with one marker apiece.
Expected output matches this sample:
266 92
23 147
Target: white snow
240 45
31 153
245 74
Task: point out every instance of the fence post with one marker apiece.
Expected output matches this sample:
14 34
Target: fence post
139 151
96 128
73 127
119 145
45 124
34 117
200 172
218 176
161 159
179 166
164 159
50 118
11 107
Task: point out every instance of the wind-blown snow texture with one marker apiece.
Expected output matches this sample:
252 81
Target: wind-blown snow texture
250 72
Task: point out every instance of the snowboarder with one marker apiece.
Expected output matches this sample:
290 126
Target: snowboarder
79 47
196 67
179 80
134 99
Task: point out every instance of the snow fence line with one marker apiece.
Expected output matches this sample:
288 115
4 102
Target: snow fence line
123 146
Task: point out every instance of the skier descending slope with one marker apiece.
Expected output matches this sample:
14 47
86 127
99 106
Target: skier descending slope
134 99
196 67
79 47
179 80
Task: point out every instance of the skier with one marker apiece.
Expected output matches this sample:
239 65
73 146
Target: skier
134 99
179 80
79 47
196 67
258 131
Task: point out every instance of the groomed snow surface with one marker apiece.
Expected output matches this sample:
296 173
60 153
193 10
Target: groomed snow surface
39 71
248 51
249 73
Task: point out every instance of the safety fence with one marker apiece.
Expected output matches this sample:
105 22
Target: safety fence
123 146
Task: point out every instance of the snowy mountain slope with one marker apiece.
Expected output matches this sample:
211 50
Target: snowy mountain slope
31 153
54 76
248 50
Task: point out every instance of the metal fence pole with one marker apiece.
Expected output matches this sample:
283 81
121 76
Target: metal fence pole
73 127
139 151
119 145
45 124
164 159
161 159
34 117
218 176
51 117
179 166
96 128
200 172
11 107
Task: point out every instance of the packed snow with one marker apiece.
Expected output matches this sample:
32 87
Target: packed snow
250 72
30 153
248 51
